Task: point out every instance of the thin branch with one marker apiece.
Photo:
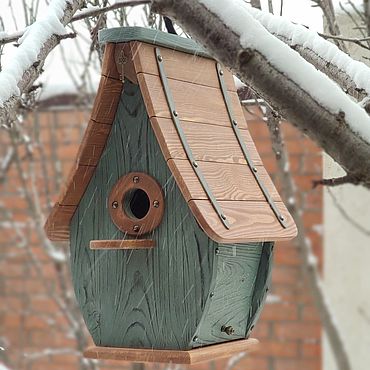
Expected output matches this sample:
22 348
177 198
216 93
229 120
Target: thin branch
357 41
309 261
346 216
83 14
347 179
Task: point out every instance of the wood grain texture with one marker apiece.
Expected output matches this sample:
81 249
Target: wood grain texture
190 357
227 181
193 102
57 225
75 185
108 68
122 244
233 285
106 100
207 142
249 221
139 298
124 61
93 143
180 66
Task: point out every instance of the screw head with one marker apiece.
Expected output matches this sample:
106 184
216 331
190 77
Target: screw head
136 228
235 123
223 216
195 164
136 179
217 251
255 169
156 204
160 58
281 217
221 72
115 204
211 294
229 330
175 113
195 339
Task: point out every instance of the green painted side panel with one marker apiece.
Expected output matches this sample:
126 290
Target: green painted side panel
151 36
232 290
148 298
262 284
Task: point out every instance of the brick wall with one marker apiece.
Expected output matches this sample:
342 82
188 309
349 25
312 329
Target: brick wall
31 320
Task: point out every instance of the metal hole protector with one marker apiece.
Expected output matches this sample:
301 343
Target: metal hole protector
182 136
247 156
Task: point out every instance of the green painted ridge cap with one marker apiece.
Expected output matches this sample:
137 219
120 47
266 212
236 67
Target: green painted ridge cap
151 36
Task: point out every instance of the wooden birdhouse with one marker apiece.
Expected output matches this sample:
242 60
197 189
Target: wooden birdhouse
170 214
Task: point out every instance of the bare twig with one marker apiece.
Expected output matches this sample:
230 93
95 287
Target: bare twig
347 179
83 14
309 261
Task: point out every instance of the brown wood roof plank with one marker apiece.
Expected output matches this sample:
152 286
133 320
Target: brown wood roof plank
208 142
249 221
76 185
226 181
57 224
196 103
108 67
93 143
106 100
180 66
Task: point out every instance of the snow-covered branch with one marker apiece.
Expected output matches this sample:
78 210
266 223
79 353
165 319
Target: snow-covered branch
82 14
36 43
294 87
353 76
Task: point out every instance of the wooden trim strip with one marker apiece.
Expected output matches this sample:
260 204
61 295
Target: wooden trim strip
91 148
122 244
190 357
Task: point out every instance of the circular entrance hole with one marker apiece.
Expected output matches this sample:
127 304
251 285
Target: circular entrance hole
137 203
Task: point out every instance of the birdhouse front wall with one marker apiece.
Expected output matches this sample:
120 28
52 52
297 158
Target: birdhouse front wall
177 295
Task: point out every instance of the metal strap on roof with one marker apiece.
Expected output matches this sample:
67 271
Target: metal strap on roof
180 131
244 149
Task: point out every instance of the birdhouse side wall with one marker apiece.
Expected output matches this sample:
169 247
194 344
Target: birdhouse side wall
151 298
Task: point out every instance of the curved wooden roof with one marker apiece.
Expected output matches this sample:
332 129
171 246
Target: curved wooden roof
203 115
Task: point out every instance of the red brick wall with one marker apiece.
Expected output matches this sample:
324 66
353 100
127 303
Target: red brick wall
30 321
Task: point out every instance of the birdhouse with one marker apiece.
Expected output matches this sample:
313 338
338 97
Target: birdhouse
170 214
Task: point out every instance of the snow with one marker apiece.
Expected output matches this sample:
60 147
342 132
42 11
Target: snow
238 17
299 35
30 46
272 299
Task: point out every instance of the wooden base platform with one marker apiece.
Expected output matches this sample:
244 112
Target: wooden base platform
190 357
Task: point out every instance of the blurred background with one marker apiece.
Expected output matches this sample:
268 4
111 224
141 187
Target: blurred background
40 323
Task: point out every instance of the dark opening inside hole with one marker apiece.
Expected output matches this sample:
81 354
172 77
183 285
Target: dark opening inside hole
137 203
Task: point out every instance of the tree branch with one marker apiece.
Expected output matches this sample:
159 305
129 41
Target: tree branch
246 53
14 77
83 14
347 179
309 261
324 55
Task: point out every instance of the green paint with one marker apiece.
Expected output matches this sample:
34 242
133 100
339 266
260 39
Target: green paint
155 298
151 36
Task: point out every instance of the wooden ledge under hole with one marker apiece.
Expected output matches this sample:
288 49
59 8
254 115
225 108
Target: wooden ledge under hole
193 356
122 244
